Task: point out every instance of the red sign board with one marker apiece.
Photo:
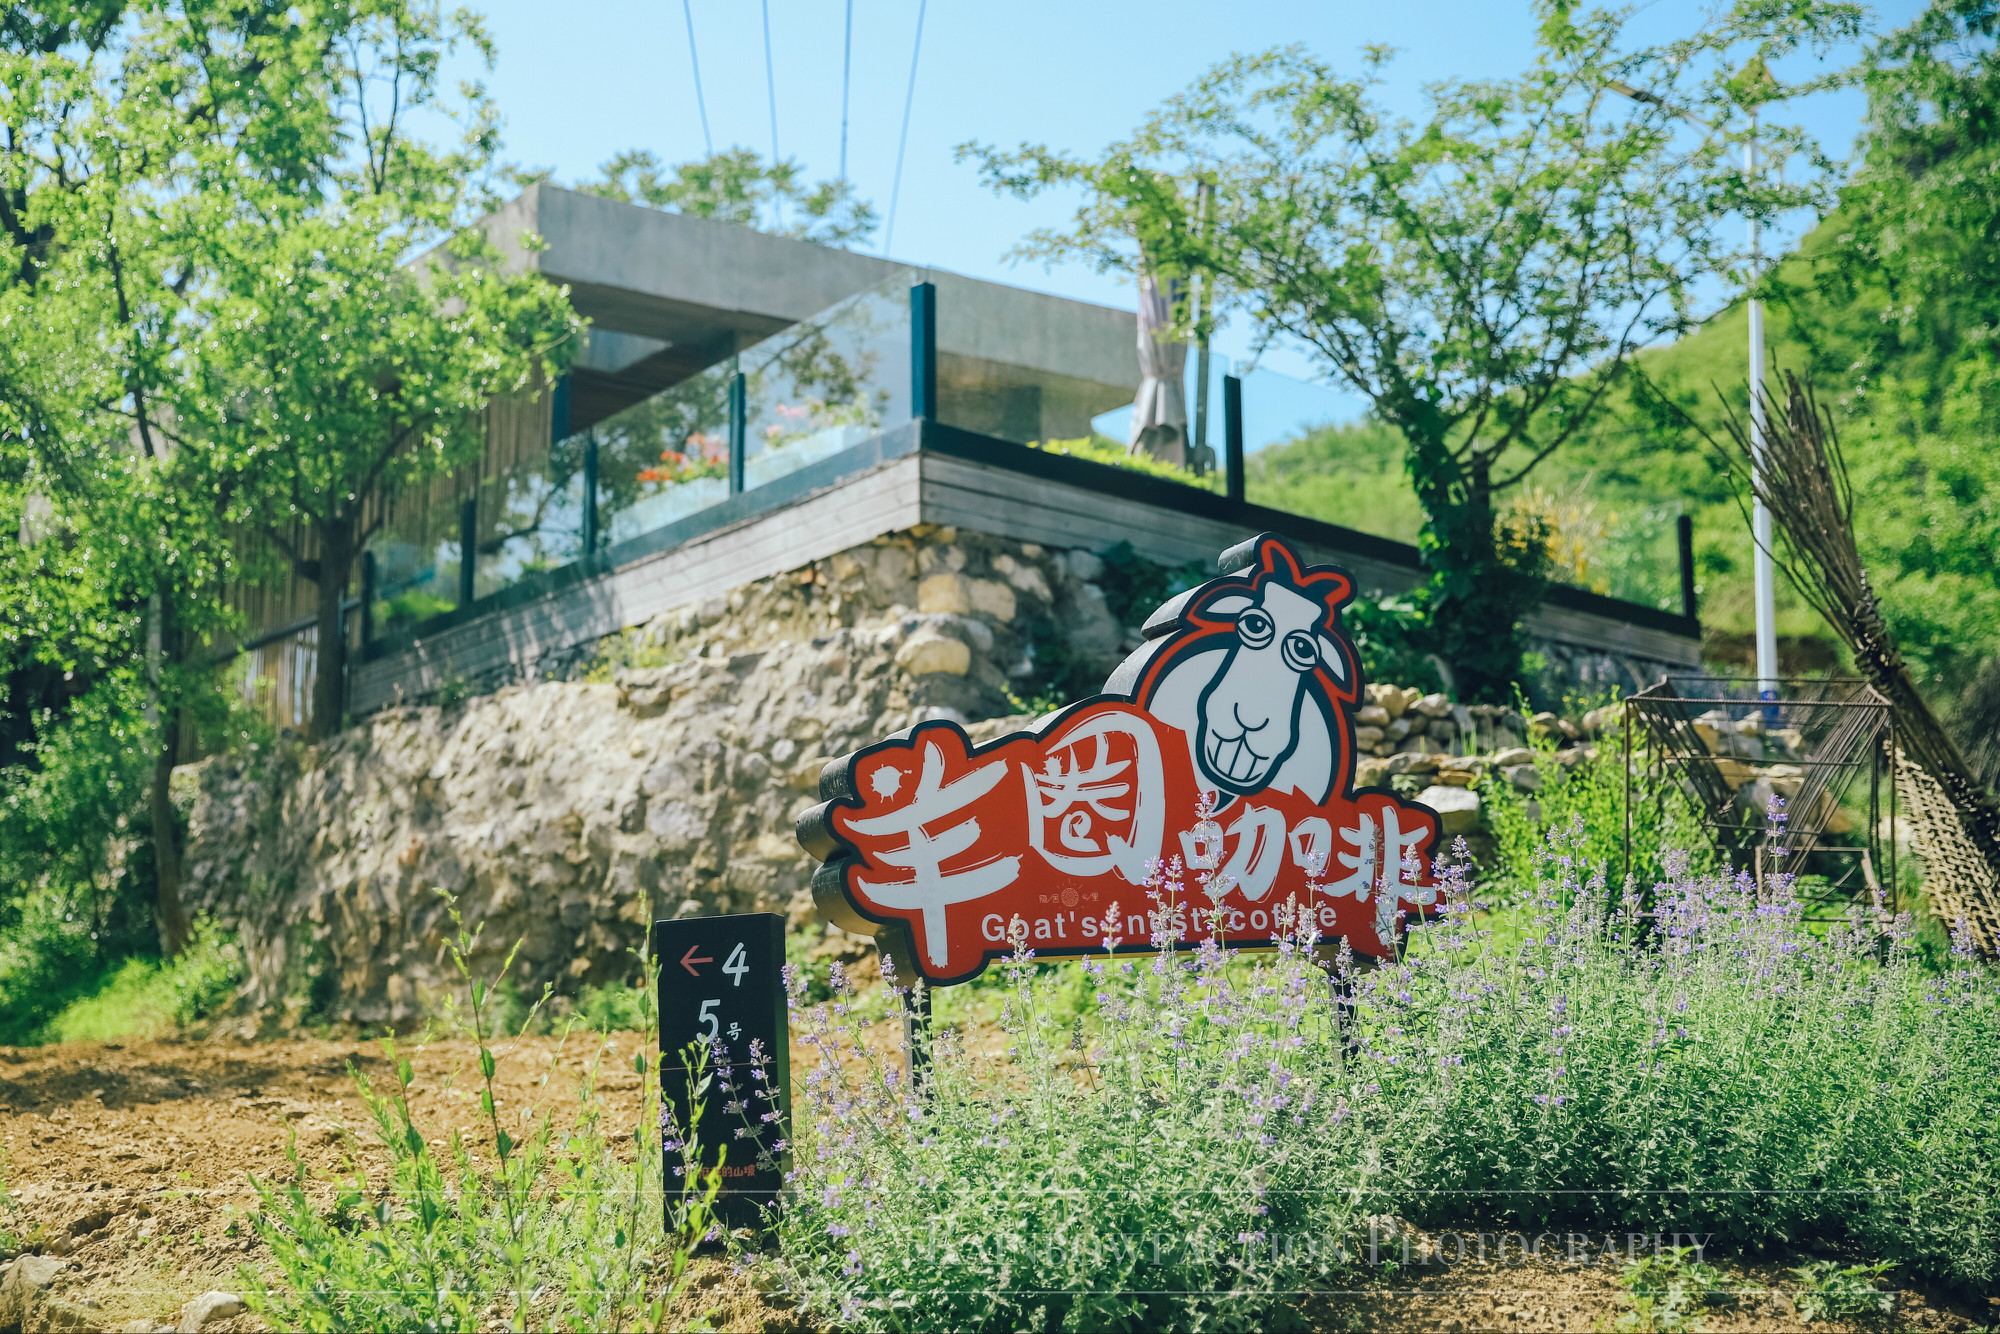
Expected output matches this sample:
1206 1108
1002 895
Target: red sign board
1243 694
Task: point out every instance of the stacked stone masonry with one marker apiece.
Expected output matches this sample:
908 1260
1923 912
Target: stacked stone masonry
567 814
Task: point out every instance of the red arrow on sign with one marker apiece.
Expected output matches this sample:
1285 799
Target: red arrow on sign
688 960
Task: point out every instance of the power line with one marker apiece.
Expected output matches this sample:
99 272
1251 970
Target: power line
846 73
903 139
770 83
771 89
694 58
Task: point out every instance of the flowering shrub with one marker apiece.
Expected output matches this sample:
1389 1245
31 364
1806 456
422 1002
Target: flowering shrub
703 456
1161 1171
1210 1142
1725 1066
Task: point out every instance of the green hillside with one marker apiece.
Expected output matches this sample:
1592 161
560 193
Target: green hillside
1918 449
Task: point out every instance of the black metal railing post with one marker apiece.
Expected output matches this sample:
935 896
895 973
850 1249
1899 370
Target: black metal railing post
369 578
1684 536
923 352
468 548
1232 436
559 409
590 534
739 411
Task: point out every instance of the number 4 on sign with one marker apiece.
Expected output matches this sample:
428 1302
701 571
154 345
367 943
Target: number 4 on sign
736 964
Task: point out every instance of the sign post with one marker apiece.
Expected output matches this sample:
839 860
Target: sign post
1226 742
722 988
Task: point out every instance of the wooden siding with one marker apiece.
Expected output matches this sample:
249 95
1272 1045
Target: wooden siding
275 678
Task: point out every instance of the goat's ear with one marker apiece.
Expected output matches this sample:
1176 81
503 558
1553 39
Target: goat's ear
1329 653
1232 605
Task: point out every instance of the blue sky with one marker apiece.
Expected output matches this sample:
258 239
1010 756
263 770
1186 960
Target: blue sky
577 83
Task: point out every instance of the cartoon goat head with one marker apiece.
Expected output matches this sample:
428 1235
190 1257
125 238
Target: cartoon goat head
1281 654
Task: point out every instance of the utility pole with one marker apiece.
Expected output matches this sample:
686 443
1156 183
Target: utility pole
1757 83
1205 287
1760 517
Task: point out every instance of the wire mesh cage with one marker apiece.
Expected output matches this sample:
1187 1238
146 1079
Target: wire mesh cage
1792 786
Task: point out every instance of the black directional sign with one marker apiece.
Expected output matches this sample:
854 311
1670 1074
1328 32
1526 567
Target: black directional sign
722 985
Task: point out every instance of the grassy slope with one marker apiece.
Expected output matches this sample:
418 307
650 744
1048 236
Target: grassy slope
1617 486
1350 475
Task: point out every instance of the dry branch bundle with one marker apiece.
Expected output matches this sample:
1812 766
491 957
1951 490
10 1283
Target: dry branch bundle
1801 477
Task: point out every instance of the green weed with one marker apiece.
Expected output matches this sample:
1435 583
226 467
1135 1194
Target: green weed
1591 798
142 998
1667 1291
411 608
1831 1291
1097 449
633 648
10 1242
616 1007
528 1224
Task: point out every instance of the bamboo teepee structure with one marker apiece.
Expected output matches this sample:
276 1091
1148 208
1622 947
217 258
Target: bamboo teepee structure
1801 477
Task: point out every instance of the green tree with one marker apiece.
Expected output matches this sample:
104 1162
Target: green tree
1912 276
202 203
119 127
332 371
1898 309
1483 275
337 375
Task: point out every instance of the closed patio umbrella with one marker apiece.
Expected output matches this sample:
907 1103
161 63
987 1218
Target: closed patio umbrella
1159 413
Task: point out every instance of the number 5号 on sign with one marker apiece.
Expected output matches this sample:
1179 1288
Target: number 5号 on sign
721 989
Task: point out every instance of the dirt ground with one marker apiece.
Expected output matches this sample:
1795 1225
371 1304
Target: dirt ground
131 1163
1551 1294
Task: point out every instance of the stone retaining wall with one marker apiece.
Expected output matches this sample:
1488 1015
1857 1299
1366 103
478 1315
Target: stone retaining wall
567 814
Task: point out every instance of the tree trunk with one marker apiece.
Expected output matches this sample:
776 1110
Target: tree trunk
1478 594
169 912
336 560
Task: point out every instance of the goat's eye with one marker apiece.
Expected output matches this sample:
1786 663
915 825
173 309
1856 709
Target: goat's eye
1300 651
1255 628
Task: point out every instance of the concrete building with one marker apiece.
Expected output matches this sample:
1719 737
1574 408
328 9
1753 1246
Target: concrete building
746 404
669 296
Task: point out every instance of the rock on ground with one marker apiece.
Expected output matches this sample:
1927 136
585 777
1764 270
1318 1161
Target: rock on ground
21 1291
1457 808
198 1311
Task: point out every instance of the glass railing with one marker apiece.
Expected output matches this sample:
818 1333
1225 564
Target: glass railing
828 383
530 516
417 557
1309 451
663 458
810 391
1277 409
